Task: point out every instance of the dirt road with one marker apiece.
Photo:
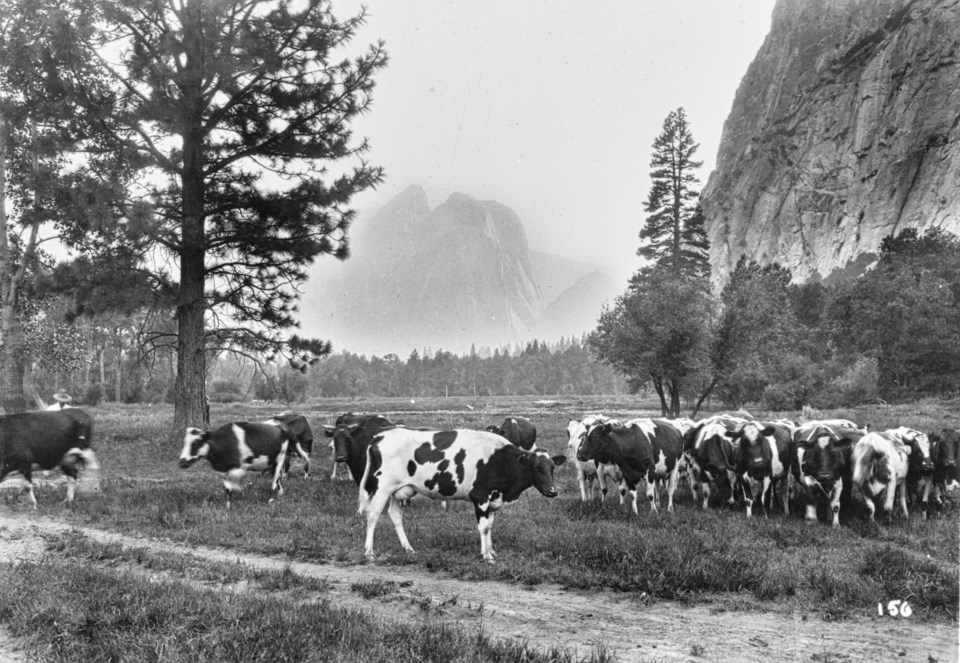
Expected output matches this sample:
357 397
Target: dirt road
553 616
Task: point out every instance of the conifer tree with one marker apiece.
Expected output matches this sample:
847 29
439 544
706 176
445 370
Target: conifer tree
242 110
674 232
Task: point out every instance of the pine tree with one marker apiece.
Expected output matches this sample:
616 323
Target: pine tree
244 108
674 232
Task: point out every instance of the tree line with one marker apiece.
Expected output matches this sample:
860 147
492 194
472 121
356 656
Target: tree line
891 334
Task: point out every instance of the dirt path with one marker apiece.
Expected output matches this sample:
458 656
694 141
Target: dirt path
552 616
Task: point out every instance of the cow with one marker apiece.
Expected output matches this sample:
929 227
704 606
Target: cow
237 448
922 450
711 455
590 471
946 473
478 466
822 464
352 435
880 469
45 440
518 430
301 436
764 454
643 449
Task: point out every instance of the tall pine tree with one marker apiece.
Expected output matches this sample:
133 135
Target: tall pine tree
242 110
674 232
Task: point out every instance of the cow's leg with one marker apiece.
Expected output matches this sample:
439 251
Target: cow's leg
231 482
632 491
306 460
835 502
373 510
925 484
766 495
901 491
651 490
582 481
783 489
282 462
484 527
395 511
28 477
672 480
732 478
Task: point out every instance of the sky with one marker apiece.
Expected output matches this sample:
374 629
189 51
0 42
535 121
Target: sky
550 107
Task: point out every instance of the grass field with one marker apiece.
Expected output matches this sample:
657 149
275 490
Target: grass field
691 555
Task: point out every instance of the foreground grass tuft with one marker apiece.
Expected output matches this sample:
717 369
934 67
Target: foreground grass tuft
72 612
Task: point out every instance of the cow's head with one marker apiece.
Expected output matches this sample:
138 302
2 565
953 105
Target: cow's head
822 455
498 430
595 442
920 451
754 453
343 440
195 446
541 465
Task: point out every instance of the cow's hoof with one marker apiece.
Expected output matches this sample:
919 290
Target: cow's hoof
489 560
369 558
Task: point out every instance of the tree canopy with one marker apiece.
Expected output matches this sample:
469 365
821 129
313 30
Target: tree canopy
238 116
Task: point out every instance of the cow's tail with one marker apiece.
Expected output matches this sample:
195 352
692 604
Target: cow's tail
365 496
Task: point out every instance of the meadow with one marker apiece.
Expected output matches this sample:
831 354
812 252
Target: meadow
715 556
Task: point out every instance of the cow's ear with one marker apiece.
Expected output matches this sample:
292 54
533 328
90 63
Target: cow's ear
732 434
605 427
769 431
328 431
559 460
524 459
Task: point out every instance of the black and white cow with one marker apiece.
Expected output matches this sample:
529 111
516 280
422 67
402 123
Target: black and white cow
644 450
765 452
920 466
477 466
712 455
44 440
520 431
301 435
823 465
591 471
237 448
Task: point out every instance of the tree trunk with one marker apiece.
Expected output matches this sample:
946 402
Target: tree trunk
190 398
674 388
658 385
11 333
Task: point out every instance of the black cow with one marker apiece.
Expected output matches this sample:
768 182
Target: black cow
45 440
237 448
352 435
823 465
946 471
301 434
520 431
449 465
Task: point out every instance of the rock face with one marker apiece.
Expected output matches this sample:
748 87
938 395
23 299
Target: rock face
447 278
843 131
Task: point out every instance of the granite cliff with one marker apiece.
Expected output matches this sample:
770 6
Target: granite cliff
843 131
458 275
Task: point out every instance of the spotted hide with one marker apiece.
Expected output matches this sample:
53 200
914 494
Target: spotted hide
478 466
591 471
644 449
823 466
45 440
764 455
237 448
712 456
301 436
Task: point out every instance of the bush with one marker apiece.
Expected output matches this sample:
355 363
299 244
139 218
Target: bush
94 394
225 391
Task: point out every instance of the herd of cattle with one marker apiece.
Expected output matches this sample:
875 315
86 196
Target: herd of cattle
756 463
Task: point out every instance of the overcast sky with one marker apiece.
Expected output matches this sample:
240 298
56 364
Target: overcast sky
549 106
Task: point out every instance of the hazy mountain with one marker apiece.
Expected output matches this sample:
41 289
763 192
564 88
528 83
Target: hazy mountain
845 129
450 277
